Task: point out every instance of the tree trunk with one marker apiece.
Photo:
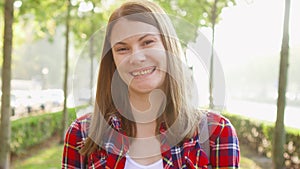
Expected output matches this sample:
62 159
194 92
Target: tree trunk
65 109
5 131
279 133
211 72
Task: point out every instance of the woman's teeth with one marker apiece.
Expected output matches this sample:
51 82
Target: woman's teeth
142 72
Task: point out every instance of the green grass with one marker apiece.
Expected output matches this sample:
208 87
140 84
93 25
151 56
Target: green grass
247 163
50 158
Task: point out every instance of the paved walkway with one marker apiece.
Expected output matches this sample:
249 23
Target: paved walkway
264 111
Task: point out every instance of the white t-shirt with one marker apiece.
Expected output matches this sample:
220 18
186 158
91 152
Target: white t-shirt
131 164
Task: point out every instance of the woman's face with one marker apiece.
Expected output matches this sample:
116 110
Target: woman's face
139 55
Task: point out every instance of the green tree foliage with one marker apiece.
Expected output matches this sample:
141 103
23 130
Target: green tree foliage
88 17
45 16
197 12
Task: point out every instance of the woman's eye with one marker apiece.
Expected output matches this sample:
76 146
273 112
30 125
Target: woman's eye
148 42
122 49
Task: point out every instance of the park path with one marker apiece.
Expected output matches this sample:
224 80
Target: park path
264 111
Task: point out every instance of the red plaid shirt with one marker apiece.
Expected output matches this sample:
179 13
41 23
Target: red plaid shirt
224 148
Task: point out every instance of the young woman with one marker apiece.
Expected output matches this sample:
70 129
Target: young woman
143 117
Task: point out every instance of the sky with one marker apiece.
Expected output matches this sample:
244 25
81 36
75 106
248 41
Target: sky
253 28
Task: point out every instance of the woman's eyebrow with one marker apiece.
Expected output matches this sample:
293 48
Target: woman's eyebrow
144 36
119 43
139 39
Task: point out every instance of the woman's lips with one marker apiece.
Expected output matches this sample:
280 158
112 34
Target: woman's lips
143 71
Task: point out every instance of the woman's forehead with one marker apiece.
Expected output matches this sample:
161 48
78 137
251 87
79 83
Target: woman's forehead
124 29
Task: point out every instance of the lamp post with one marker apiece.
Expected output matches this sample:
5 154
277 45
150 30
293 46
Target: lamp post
45 72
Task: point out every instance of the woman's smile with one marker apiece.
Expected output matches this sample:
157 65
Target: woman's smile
143 72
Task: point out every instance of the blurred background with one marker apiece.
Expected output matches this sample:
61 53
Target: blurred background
247 39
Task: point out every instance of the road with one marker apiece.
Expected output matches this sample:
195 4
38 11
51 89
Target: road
264 111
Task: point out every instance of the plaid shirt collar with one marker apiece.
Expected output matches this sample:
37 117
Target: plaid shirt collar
117 144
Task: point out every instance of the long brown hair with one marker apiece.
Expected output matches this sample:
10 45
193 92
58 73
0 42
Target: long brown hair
177 108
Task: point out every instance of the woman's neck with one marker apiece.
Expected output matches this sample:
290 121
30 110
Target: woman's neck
145 130
145 147
145 109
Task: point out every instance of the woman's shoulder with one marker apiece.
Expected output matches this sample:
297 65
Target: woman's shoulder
216 118
81 124
78 132
218 125
213 117
86 116
84 119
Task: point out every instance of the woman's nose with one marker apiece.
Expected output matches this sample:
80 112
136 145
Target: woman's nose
137 56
